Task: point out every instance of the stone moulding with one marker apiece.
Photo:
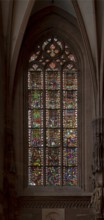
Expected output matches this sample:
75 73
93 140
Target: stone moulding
54 202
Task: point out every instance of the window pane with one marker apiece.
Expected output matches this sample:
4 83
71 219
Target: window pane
53 176
70 80
52 99
52 137
53 156
35 176
52 80
35 99
70 99
35 137
35 80
70 176
70 156
35 118
52 118
69 118
35 156
69 137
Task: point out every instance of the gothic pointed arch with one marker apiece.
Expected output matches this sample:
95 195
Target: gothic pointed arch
39 51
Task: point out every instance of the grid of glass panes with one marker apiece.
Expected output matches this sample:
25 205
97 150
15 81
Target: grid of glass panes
52 115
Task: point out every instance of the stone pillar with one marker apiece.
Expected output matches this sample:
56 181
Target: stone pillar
10 198
98 168
1 205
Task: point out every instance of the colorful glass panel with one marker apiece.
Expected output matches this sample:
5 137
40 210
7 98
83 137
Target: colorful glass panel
53 50
70 156
52 80
69 137
70 176
35 80
52 99
69 80
35 156
53 176
52 115
35 118
70 99
53 156
35 176
35 138
53 137
52 118
69 118
71 57
35 99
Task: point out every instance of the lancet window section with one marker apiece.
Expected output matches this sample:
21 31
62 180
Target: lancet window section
52 115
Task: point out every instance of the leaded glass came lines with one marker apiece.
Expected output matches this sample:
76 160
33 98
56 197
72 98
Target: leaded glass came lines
52 115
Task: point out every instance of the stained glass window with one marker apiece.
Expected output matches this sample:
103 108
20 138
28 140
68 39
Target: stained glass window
52 115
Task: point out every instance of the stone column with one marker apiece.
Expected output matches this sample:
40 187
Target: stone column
1 205
98 168
10 198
